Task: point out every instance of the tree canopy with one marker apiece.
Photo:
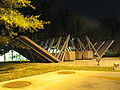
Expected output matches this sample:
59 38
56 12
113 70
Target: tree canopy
12 21
110 25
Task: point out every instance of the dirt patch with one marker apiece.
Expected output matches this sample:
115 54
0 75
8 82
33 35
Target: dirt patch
17 84
66 72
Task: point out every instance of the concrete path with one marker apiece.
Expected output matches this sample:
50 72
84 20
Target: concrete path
105 62
66 80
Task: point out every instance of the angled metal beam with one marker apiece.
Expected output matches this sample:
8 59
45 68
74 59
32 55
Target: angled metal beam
72 45
58 45
64 53
51 44
41 44
93 47
80 43
101 45
39 50
90 47
105 47
46 44
62 49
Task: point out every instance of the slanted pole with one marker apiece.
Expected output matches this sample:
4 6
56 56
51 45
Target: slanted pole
64 53
51 44
105 48
58 45
46 44
98 59
41 44
80 43
101 45
73 46
92 46
63 47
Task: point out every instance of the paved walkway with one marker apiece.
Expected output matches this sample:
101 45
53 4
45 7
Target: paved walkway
105 62
67 80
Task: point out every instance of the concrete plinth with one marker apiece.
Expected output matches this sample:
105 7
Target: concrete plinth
88 55
70 55
79 55
83 55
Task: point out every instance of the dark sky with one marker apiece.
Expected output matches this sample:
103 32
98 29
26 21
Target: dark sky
92 8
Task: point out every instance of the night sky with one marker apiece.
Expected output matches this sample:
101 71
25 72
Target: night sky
92 8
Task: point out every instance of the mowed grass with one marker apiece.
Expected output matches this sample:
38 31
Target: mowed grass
10 71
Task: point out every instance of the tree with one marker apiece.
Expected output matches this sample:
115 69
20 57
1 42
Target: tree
63 21
71 22
45 8
111 26
12 22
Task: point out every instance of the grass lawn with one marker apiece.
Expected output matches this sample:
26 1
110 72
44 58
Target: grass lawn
9 71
